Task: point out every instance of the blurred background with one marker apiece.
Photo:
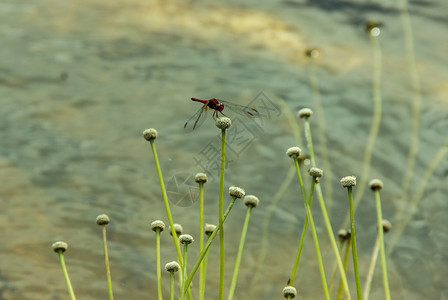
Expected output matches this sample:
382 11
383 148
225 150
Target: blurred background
80 81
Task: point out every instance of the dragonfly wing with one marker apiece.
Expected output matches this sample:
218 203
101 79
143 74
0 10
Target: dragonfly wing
242 110
196 120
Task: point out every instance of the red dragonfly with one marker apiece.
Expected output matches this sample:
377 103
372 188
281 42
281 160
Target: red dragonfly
218 106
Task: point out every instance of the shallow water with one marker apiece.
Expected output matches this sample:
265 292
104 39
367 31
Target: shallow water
79 81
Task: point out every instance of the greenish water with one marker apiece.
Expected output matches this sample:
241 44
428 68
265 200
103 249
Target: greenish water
79 81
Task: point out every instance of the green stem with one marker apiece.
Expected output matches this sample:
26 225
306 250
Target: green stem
316 242
305 225
201 240
310 142
207 245
220 215
333 242
353 236
167 205
347 252
369 277
204 262
67 279
239 254
335 269
382 250
107 264
159 269
171 285
184 269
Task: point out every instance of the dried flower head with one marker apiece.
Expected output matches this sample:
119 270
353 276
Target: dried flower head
177 228
59 246
157 225
289 291
343 234
376 184
223 122
305 113
348 181
102 219
209 228
387 226
251 200
316 172
294 152
150 134
201 178
236 192
186 239
172 266
312 53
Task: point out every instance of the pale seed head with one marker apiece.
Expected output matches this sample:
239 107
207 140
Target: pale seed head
209 228
376 184
177 228
316 172
157 225
201 178
172 266
102 219
289 291
387 226
186 239
305 113
294 152
223 122
251 200
236 192
150 134
59 246
348 181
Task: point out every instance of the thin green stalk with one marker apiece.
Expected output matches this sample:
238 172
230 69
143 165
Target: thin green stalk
369 277
107 264
309 141
201 240
416 95
67 279
159 269
333 242
239 254
204 263
316 242
376 121
382 250
167 205
353 236
207 245
172 285
346 255
221 232
335 269
305 225
322 130
184 269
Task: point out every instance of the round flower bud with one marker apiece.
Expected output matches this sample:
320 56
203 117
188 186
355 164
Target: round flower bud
348 181
373 28
177 228
236 192
186 239
59 246
312 53
201 178
294 152
157 224
223 122
387 226
251 200
316 172
102 219
289 291
305 113
376 184
172 266
150 134
343 234
209 228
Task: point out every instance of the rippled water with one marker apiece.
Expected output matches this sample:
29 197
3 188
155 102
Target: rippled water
79 81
